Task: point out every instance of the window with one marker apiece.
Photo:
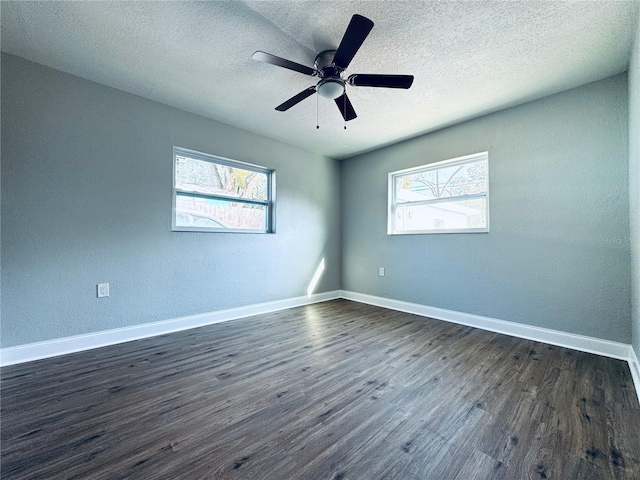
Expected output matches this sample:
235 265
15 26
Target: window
213 194
445 197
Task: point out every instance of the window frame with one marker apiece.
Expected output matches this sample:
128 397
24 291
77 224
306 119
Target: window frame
269 203
392 203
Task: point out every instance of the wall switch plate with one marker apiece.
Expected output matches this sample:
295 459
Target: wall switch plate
382 271
103 290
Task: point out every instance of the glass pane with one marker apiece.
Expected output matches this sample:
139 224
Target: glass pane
445 182
214 213
453 215
195 175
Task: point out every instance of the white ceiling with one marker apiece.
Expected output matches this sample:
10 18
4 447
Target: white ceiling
468 58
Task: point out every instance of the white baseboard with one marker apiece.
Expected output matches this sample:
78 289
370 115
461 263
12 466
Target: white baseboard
77 343
582 343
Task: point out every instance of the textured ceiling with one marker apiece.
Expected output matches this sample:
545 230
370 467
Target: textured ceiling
468 58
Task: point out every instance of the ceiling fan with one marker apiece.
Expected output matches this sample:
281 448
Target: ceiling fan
330 66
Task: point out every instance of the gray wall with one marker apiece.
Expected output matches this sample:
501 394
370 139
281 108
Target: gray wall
557 255
86 198
634 186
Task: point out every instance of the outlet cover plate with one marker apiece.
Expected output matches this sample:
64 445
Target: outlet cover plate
103 290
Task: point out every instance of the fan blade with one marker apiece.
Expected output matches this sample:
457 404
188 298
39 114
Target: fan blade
357 31
345 107
386 81
283 62
296 99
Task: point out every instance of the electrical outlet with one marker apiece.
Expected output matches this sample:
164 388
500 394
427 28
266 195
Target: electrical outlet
103 290
381 271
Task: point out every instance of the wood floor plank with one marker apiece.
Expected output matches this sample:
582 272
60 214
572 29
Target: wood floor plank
333 390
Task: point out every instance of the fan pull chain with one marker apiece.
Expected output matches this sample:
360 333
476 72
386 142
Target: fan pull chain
317 107
344 109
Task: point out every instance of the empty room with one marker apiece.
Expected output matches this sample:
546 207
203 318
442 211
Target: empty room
350 240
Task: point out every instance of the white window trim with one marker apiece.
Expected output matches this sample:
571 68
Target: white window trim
391 193
270 203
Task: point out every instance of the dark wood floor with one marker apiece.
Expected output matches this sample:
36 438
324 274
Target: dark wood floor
337 390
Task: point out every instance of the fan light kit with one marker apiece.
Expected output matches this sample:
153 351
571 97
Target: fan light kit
330 88
330 66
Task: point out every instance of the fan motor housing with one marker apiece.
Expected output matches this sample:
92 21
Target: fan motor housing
324 63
